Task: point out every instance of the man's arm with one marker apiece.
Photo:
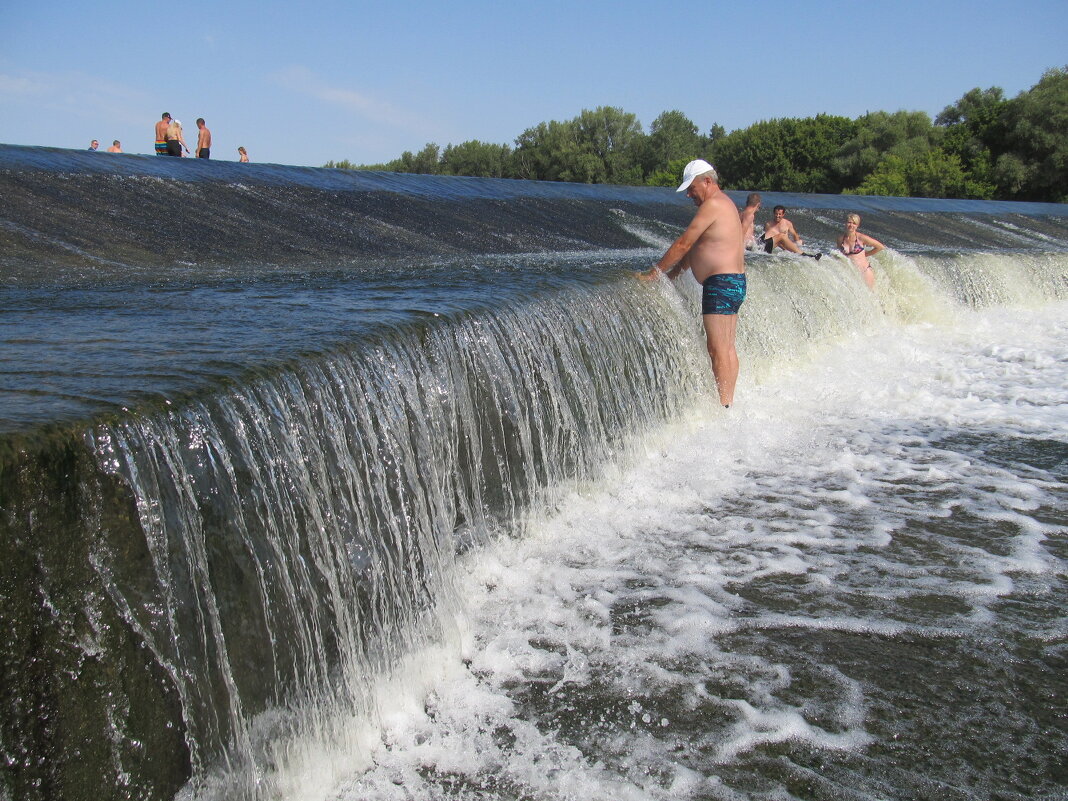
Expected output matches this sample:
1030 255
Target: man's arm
794 235
680 267
874 244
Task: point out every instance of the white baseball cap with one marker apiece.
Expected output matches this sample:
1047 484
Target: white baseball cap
693 169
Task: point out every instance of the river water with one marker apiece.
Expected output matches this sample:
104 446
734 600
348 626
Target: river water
283 521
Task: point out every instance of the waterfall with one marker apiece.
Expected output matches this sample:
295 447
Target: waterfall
202 587
287 539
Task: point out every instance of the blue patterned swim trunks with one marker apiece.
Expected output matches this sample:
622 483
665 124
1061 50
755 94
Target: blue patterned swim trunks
723 293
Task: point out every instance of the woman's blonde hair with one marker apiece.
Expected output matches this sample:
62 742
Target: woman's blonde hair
853 218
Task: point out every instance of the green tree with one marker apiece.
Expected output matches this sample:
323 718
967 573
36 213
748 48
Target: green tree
670 175
1012 176
615 139
548 152
476 158
341 165
599 146
888 178
783 155
933 173
426 162
672 137
975 128
982 146
1035 164
906 134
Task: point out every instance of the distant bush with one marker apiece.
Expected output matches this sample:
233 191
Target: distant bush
983 146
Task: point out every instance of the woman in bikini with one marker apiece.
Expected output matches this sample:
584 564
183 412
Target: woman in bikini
853 243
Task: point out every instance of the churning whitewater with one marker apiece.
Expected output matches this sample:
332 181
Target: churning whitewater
853 586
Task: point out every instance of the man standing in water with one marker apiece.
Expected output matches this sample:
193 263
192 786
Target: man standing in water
712 248
748 218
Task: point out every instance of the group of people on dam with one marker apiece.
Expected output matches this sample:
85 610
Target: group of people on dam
170 140
713 248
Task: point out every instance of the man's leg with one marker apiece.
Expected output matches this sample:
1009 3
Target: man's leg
786 243
719 335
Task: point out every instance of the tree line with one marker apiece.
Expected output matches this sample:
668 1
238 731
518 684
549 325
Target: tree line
984 146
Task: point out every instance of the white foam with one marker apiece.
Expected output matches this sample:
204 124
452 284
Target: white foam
630 588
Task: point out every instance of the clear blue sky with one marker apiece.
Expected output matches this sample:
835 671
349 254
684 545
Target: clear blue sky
303 83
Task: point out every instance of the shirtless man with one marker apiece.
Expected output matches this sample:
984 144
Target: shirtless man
203 140
748 219
712 248
161 134
780 232
116 147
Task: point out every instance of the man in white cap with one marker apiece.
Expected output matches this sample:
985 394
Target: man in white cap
712 248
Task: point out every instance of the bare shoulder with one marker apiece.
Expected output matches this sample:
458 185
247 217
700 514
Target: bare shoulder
724 205
725 213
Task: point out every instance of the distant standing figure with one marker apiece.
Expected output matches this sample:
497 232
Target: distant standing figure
243 155
780 232
116 147
94 145
203 140
748 218
161 134
852 244
176 139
